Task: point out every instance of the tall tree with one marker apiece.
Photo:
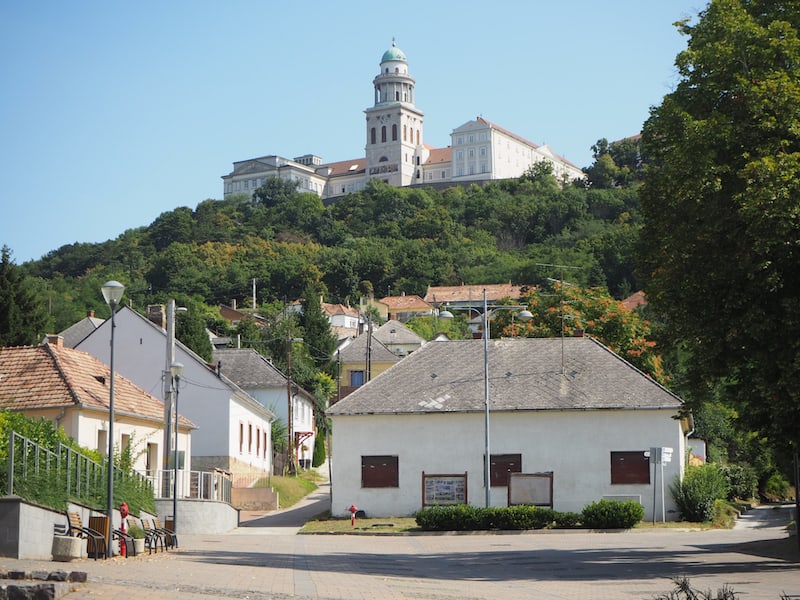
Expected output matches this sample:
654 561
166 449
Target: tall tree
319 339
23 314
721 202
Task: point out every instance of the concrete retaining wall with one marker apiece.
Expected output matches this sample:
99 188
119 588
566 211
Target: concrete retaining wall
199 516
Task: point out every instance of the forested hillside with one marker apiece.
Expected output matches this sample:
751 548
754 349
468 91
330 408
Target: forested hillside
398 240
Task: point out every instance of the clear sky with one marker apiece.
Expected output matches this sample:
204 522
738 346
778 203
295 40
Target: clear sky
112 113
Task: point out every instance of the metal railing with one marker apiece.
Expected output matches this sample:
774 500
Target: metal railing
32 467
35 471
197 485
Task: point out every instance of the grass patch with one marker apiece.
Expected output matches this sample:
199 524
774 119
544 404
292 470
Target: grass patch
291 488
325 524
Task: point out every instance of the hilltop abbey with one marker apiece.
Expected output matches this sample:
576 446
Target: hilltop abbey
396 152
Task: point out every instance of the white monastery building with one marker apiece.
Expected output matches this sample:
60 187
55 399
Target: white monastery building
396 152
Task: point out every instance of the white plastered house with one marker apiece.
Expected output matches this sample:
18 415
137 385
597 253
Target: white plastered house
233 429
569 423
264 382
71 389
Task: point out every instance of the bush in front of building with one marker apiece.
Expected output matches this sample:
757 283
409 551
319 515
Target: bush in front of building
612 514
606 514
696 493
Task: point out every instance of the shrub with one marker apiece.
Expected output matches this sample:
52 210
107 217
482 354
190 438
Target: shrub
742 481
724 515
695 495
461 517
568 520
612 514
471 518
777 487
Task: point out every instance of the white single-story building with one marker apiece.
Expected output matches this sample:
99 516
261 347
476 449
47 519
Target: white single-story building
570 422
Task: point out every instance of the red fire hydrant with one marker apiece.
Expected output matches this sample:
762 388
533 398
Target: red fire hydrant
123 513
353 509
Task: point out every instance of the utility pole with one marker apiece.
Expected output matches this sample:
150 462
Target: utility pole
167 374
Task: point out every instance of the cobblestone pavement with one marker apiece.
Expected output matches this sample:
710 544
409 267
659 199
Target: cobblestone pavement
265 559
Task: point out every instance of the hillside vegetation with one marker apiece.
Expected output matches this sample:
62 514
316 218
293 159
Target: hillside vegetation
400 240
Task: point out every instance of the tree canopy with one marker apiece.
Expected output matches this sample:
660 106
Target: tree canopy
721 201
23 314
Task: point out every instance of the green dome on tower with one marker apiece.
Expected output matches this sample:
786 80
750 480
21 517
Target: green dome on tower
394 53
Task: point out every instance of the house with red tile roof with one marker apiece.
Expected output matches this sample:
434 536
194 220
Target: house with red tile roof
635 300
70 388
405 307
344 319
472 295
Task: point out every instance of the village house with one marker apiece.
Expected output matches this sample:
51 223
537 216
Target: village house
569 423
70 388
233 429
271 388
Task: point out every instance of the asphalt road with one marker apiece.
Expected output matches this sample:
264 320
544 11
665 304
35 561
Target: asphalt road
265 559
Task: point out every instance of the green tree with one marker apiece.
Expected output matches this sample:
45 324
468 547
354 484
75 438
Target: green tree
721 202
190 329
565 309
319 339
23 315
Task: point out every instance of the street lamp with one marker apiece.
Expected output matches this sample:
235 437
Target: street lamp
112 293
176 370
524 315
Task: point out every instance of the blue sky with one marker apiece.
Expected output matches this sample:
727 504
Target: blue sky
112 113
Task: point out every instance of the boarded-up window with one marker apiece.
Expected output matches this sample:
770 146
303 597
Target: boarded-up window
379 471
502 465
630 467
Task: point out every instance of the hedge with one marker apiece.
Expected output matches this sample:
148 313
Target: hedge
605 514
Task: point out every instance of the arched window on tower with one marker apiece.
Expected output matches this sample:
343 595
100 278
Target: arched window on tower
372 136
383 133
405 133
397 96
394 132
417 137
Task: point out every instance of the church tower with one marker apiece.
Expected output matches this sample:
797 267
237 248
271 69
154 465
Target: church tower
394 150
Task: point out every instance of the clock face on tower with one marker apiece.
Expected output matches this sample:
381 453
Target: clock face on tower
383 118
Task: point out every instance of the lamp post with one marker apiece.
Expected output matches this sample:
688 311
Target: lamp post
176 370
524 315
112 293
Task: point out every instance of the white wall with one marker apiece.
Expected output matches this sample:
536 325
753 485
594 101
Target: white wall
205 399
576 446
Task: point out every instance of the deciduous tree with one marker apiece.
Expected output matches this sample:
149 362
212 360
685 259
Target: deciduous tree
722 208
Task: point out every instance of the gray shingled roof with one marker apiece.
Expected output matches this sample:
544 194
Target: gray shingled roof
75 333
357 350
524 374
394 332
247 368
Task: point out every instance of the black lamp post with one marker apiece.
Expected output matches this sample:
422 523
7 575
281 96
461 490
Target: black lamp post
112 293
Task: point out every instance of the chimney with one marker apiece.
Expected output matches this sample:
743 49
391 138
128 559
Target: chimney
577 333
90 313
157 314
55 340
233 303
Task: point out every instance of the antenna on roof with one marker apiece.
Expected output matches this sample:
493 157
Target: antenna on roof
562 316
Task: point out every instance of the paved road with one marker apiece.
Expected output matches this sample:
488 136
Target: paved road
266 560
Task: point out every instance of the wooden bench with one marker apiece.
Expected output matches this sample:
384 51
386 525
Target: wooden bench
95 541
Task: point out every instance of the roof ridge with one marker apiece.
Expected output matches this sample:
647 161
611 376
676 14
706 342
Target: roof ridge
64 377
